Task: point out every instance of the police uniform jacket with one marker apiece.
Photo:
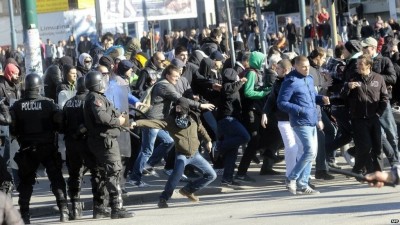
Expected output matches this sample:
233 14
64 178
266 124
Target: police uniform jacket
33 118
101 118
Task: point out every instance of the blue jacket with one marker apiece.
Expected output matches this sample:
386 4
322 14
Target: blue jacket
298 98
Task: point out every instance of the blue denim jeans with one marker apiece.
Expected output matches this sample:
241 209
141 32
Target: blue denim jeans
232 134
389 128
181 161
149 136
308 138
161 152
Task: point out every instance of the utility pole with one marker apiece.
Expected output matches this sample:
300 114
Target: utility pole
12 25
333 23
302 7
232 47
33 57
260 27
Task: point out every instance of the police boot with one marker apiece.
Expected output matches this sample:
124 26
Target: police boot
119 212
99 211
26 216
76 210
64 212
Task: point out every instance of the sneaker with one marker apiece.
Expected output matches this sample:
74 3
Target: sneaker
149 172
139 184
307 191
291 186
349 159
162 203
245 178
270 172
231 184
334 165
219 172
168 172
323 175
189 195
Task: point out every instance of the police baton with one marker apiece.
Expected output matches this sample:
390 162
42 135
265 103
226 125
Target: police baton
129 131
359 177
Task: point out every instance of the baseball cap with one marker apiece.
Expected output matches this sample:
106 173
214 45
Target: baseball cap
217 56
370 41
125 65
178 63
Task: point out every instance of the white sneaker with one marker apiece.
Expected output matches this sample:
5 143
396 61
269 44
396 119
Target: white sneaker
349 159
291 186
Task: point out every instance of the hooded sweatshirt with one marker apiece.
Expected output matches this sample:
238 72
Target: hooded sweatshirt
230 96
254 92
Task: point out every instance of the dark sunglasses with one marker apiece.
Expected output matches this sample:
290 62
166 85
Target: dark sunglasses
105 73
88 61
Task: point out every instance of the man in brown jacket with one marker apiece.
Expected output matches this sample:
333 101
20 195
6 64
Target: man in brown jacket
184 126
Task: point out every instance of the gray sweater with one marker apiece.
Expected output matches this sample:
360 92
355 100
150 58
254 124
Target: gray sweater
163 95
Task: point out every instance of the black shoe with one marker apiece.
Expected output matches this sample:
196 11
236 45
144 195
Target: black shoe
231 184
334 165
323 175
245 178
76 210
121 213
270 172
162 203
191 173
100 212
26 217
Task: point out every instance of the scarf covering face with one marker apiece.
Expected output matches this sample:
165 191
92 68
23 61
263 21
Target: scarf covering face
182 117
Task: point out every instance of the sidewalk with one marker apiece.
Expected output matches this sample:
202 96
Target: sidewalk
43 202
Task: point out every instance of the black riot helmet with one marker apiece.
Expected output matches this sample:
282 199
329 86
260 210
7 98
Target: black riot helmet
80 85
94 82
33 82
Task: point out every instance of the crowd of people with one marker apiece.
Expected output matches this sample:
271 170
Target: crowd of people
193 109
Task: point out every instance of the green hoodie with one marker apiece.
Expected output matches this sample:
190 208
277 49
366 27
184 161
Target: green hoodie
256 60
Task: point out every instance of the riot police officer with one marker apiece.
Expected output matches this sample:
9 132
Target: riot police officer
34 125
102 121
78 155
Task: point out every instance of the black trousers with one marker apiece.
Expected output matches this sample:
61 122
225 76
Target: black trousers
108 158
367 139
28 159
78 160
252 122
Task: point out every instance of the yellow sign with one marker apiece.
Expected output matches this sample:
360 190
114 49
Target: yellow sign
84 4
47 6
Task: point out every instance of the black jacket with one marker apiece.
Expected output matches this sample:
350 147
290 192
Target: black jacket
271 106
209 46
368 100
73 117
147 77
9 90
33 118
230 104
101 118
